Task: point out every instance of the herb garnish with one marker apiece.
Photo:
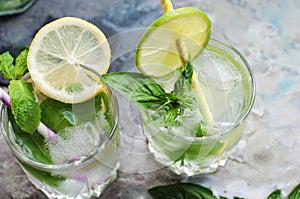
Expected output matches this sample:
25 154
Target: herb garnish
25 109
196 191
150 95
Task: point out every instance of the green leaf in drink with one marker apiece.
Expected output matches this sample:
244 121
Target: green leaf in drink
137 87
58 115
32 144
45 176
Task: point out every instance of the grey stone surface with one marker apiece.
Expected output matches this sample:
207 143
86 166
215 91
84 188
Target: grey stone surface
266 32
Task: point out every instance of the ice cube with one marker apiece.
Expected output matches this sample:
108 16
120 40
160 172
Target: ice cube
217 71
79 140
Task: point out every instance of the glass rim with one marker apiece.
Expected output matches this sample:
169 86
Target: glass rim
245 114
83 160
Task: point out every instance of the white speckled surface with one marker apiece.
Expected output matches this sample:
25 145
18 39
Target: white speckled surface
266 32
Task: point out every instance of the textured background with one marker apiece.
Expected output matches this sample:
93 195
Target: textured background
266 32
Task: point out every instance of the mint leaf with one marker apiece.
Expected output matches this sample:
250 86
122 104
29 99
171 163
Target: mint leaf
6 65
21 64
275 195
105 105
45 176
24 107
181 191
295 193
58 115
33 144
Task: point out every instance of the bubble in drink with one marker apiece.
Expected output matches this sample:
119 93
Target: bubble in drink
85 137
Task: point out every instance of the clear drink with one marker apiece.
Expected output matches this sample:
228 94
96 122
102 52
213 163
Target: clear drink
84 158
229 88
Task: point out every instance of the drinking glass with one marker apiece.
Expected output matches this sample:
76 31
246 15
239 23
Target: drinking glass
228 84
81 177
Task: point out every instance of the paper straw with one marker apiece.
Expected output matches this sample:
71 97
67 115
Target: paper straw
42 129
195 85
166 5
182 51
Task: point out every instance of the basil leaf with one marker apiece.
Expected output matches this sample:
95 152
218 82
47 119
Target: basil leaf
295 194
275 195
181 191
194 150
185 80
189 70
171 115
200 130
181 159
137 87
182 87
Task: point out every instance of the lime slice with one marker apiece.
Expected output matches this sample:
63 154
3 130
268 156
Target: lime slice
59 54
156 53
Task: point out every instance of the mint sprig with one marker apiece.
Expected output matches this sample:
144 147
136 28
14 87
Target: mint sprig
13 68
24 107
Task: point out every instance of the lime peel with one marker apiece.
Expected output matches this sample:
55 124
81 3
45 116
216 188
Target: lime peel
153 55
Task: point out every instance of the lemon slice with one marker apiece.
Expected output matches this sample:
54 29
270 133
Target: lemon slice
59 55
156 53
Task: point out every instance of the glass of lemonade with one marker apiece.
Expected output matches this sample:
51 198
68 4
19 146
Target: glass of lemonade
83 160
228 85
